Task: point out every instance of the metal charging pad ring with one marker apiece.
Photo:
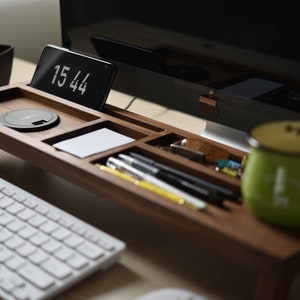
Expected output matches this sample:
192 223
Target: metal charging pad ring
29 119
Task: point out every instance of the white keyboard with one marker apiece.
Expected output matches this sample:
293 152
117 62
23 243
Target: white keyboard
44 250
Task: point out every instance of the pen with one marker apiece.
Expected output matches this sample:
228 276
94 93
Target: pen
173 179
189 153
121 165
147 185
194 180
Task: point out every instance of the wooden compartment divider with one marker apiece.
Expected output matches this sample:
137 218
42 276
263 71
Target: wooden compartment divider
231 231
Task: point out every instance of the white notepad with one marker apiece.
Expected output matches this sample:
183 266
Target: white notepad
93 142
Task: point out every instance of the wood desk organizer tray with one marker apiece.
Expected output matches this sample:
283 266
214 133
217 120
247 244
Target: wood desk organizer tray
231 231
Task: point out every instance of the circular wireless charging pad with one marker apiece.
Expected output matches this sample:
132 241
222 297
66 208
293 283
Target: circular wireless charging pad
31 119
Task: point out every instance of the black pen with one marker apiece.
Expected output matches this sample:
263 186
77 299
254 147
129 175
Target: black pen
227 193
186 198
174 180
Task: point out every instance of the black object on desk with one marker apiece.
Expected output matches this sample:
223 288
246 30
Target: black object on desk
6 60
150 59
29 119
220 192
74 76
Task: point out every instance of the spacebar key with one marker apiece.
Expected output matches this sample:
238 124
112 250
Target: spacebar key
36 276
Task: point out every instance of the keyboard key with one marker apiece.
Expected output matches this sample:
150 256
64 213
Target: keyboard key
38 256
15 262
5 254
53 216
49 226
78 229
4 234
29 203
51 246
5 201
90 250
6 218
77 261
21 294
39 239
19 197
17 281
56 268
91 237
73 241
26 214
2 185
37 220
36 276
61 233
15 208
27 232
26 249
64 253
16 225
106 245
66 223
41 210
8 191
14 242
7 286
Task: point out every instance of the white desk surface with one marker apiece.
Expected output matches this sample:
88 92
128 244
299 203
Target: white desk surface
156 256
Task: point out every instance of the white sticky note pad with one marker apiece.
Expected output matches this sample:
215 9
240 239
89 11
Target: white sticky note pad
93 142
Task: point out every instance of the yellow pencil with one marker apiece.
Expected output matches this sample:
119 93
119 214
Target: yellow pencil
149 186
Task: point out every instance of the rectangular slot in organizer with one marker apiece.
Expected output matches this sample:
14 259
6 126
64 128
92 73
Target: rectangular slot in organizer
230 230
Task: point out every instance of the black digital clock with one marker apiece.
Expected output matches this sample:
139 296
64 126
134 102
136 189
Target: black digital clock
74 76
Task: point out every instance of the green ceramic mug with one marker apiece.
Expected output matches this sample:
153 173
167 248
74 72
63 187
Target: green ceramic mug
271 179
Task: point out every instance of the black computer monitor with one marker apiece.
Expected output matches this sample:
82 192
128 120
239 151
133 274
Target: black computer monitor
244 55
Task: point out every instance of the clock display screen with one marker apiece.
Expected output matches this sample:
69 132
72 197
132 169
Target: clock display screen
73 76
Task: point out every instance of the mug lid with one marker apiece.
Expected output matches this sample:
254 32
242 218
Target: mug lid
279 136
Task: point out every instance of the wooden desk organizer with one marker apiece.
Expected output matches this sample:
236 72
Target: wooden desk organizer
232 231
